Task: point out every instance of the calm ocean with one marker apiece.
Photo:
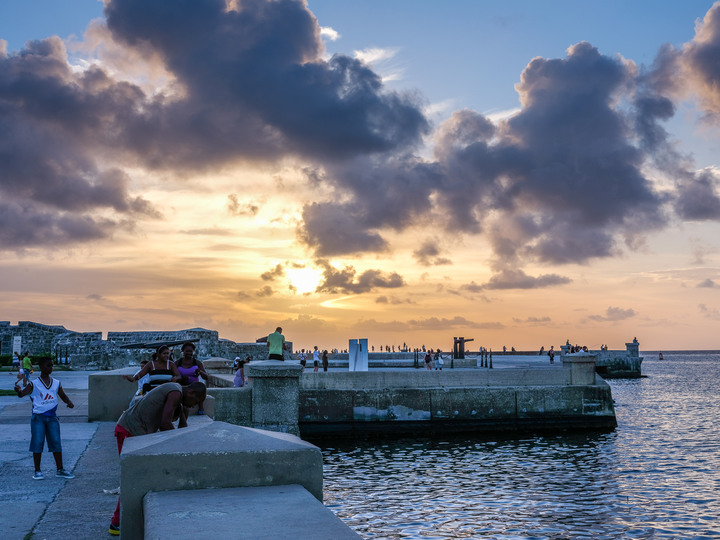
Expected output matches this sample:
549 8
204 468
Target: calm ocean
656 476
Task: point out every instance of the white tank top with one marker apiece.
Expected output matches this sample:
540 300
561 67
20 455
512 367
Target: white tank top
45 398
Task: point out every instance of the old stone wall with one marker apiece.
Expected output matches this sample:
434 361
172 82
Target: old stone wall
36 338
87 350
206 346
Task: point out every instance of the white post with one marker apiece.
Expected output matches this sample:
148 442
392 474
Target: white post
358 355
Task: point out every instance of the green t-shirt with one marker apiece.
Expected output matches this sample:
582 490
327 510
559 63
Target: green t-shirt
275 343
27 363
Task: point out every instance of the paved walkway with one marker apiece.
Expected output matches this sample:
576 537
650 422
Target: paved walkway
56 508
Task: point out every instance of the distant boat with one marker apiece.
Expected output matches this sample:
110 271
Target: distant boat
660 356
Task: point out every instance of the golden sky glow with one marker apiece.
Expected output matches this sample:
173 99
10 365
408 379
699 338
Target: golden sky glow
390 216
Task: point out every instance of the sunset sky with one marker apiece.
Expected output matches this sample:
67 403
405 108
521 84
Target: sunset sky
517 172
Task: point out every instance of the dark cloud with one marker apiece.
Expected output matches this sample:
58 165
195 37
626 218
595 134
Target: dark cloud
532 320
255 85
561 181
613 314
392 300
472 287
52 124
431 323
248 83
386 192
348 281
517 279
583 184
697 197
235 208
428 254
276 272
333 230
692 70
699 60
707 284
710 313
28 225
265 291
435 323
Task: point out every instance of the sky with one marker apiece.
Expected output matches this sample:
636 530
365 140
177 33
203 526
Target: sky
521 173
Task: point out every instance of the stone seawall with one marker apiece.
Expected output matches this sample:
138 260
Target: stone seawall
340 404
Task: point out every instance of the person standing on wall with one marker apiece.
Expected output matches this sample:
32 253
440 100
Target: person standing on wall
276 345
316 359
303 359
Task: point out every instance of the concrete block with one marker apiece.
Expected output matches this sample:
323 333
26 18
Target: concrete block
393 404
275 395
582 368
232 405
531 402
326 406
528 377
208 407
109 394
253 513
469 404
597 400
211 455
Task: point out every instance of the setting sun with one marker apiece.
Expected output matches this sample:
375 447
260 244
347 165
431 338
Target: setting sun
304 280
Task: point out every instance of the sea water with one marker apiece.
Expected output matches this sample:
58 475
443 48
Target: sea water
656 476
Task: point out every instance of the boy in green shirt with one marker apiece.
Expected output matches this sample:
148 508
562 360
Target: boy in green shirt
27 368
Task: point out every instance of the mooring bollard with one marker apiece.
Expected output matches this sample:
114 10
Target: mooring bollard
490 360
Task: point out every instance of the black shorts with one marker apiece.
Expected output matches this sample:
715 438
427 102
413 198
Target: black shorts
276 357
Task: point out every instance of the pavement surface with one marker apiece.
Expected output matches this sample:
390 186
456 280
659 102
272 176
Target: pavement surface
80 508
56 508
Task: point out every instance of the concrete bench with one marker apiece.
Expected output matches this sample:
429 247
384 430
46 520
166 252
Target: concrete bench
284 512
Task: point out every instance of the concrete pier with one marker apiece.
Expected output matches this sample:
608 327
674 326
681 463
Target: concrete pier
344 404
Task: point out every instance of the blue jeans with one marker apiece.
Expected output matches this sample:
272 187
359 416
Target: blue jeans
42 427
